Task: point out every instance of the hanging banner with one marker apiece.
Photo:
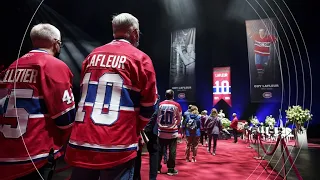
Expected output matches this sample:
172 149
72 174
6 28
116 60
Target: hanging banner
264 58
221 85
182 64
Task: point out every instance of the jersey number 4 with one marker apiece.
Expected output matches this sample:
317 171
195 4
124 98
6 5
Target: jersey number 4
113 98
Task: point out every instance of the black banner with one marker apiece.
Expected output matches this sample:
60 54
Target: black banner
182 64
264 58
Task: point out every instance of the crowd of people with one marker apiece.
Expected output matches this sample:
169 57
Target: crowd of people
119 110
194 128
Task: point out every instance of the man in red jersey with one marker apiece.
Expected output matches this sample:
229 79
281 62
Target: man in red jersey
234 126
169 116
262 44
118 98
36 108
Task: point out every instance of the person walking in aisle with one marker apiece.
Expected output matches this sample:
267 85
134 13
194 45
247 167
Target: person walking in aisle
192 133
214 127
169 116
203 131
151 131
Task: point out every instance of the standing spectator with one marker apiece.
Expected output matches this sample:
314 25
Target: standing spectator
119 96
169 116
234 126
214 127
186 114
151 131
40 100
192 133
203 131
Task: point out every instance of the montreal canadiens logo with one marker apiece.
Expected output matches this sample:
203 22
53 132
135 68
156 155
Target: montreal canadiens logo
267 95
181 95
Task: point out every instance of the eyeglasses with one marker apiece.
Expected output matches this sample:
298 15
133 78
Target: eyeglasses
59 42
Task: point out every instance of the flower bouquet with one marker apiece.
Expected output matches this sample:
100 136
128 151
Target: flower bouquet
225 122
254 121
297 115
270 121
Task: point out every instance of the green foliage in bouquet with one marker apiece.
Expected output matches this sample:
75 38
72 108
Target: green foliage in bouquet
270 121
297 115
225 122
254 120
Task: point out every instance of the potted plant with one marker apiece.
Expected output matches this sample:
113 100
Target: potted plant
299 116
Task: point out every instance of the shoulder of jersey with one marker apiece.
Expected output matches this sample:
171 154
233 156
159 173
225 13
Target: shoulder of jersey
55 62
135 52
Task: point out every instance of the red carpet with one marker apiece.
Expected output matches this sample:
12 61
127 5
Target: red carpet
232 161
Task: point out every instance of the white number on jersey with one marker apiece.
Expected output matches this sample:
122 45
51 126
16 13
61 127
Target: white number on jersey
20 114
98 117
67 97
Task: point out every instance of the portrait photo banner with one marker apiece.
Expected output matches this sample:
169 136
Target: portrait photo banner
221 85
182 64
264 57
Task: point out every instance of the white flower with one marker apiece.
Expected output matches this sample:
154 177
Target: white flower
270 120
254 120
298 115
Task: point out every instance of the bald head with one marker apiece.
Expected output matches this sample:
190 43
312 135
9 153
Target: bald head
169 94
44 35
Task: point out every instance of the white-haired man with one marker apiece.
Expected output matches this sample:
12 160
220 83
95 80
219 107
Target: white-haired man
37 108
118 98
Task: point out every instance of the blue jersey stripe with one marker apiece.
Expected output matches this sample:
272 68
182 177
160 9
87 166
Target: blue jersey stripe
32 106
66 119
129 98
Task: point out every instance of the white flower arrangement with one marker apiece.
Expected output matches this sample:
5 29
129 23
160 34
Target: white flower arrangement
297 115
221 114
225 122
254 121
270 121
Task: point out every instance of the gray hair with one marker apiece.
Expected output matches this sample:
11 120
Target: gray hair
43 35
123 23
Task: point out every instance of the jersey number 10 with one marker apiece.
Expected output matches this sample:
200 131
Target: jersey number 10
166 118
97 116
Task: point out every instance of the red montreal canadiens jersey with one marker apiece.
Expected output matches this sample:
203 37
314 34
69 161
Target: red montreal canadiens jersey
41 83
262 45
169 112
117 100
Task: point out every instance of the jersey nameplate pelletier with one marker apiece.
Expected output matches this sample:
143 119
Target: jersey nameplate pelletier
22 76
